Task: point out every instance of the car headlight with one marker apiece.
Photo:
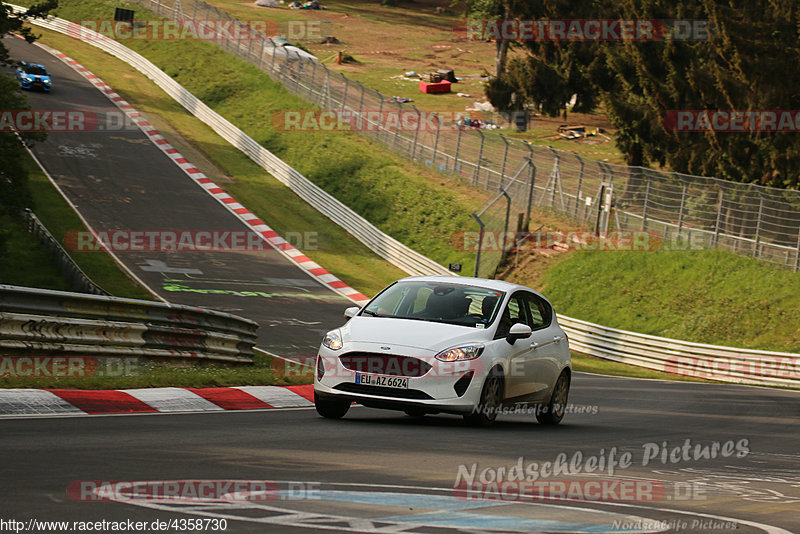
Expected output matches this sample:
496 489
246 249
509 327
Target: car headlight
47 81
333 340
467 352
27 79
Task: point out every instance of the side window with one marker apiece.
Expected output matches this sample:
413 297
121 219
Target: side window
515 312
541 313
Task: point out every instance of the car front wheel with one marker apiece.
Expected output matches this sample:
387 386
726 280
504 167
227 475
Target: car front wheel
331 408
553 412
485 412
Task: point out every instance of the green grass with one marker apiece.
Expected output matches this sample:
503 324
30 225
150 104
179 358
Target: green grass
60 219
26 262
266 371
703 296
419 208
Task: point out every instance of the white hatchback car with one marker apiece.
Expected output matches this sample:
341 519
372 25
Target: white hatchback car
447 344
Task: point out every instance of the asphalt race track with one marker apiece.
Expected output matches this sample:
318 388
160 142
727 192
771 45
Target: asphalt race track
120 181
379 471
631 456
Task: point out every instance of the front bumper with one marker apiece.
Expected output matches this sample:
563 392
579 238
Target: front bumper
449 387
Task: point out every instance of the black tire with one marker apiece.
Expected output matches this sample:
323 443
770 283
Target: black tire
491 401
553 412
331 408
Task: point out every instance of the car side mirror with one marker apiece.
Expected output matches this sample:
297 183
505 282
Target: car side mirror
518 331
351 311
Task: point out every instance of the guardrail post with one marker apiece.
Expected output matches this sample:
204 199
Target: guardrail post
578 192
756 244
644 206
480 156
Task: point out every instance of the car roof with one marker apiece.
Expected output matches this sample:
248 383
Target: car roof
27 64
497 285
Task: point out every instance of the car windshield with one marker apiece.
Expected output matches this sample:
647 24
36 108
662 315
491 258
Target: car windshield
33 69
437 302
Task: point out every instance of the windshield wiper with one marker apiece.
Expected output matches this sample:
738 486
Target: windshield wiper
373 314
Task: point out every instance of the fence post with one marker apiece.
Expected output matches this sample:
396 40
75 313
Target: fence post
532 182
503 168
416 133
644 207
578 192
797 252
458 148
436 140
361 106
397 124
261 57
504 248
272 62
380 115
346 85
480 243
683 205
718 221
480 157
756 252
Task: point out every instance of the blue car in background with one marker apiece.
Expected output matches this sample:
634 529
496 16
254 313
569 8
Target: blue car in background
33 76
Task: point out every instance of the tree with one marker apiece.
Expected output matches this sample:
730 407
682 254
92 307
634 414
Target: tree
745 64
13 194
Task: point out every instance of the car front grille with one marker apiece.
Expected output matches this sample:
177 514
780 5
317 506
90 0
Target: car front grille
384 364
380 391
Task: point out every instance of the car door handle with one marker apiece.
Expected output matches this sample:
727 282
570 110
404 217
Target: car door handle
534 345
557 339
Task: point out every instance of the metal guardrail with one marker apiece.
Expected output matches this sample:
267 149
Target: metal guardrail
66 265
680 357
41 321
698 360
383 245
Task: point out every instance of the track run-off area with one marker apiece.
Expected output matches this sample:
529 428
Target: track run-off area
631 456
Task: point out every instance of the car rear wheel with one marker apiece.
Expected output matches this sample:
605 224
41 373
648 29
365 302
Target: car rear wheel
331 408
485 412
553 412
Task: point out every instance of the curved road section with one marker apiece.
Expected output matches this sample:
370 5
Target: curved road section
632 456
135 196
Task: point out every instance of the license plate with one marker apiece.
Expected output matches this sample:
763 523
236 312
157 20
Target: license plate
397 382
